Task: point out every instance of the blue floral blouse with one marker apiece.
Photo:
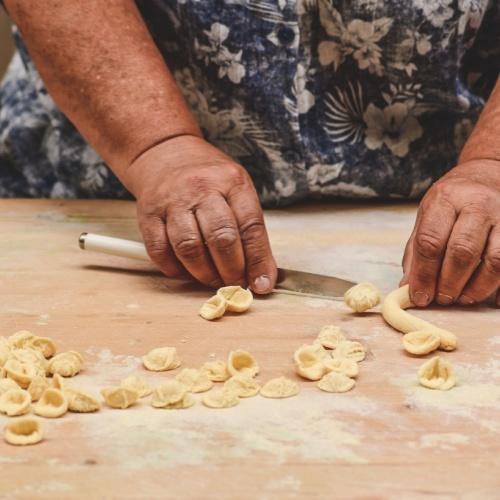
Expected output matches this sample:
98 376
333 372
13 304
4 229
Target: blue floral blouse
316 98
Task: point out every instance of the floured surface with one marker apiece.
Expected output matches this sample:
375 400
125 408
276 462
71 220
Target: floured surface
386 437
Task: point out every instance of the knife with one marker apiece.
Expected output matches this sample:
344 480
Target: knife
289 280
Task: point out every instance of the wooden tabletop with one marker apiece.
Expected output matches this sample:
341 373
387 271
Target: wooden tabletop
388 438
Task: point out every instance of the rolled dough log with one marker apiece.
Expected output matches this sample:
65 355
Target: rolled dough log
394 314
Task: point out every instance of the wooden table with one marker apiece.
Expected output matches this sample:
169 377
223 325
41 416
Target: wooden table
387 438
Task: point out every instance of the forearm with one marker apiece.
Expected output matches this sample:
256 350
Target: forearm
104 71
484 142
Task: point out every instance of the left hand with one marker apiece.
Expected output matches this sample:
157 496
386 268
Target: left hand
453 254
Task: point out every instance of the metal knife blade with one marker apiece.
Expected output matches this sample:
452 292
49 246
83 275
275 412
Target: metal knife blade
289 281
310 284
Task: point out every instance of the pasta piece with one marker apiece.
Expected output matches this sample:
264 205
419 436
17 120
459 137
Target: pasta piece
58 382
437 373
213 308
237 299
395 315
21 373
66 364
330 336
4 352
362 297
171 395
242 386
216 371
52 404
309 361
119 397
421 342
220 398
137 384
23 432
279 388
37 387
15 402
194 380
348 367
20 339
81 402
45 345
336 382
242 362
6 384
349 349
30 357
161 359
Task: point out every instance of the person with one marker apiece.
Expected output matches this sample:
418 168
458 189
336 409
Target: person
203 111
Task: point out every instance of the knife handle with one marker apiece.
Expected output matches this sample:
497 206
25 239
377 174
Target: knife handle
113 246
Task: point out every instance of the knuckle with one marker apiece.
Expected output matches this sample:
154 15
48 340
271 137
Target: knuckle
224 238
188 248
252 229
462 253
428 246
492 261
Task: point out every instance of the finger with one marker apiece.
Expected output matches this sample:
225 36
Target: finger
158 247
261 271
220 231
431 236
498 298
463 254
187 243
486 281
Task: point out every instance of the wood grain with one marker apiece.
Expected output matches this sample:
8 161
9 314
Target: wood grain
385 439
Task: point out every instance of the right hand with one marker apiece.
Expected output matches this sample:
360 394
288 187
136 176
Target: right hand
199 213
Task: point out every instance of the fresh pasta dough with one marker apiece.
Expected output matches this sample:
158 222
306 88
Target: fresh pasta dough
347 366
362 297
66 364
137 384
15 402
437 373
220 398
119 397
237 299
171 394
213 308
336 382
6 384
52 404
421 342
21 373
242 362
309 361
195 380
280 388
23 432
37 387
395 315
161 359
330 337
242 386
81 402
216 370
349 349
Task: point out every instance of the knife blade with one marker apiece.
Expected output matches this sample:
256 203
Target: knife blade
289 280
312 285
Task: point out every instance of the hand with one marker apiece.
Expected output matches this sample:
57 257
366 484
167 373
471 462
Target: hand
453 254
199 213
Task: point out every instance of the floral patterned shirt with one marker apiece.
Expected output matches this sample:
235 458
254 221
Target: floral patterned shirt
365 98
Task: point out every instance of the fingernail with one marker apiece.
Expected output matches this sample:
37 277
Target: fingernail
444 299
465 301
262 284
420 299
